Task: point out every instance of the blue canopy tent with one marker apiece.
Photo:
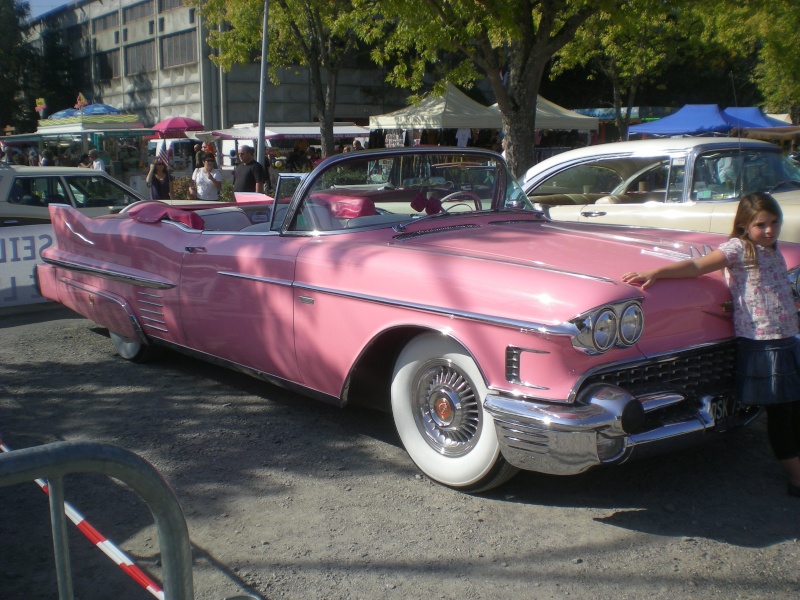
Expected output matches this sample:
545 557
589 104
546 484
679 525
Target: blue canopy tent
749 116
692 119
704 119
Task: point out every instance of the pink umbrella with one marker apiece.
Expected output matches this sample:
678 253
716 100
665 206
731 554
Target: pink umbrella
176 127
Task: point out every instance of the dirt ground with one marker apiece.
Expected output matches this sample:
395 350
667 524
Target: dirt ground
288 498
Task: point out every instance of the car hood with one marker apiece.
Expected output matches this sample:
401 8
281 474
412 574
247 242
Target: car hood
533 271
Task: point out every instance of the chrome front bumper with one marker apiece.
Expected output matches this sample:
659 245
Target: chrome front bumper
606 426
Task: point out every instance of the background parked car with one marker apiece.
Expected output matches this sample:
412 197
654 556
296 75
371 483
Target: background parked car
676 183
26 192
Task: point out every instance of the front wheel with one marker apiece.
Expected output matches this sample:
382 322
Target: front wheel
133 350
437 404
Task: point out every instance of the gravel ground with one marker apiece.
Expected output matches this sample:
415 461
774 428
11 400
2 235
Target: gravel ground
288 498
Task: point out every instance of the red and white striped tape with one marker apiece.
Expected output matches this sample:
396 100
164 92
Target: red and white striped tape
104 544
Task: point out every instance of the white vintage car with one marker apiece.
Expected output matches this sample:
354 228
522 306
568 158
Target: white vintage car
676 183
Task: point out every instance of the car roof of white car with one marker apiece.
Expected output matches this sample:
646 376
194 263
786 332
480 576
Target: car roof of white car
642 148
25 170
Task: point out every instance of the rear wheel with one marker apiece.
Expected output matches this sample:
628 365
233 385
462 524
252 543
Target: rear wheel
437 404
133 350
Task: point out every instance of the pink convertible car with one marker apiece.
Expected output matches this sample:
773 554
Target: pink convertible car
423 282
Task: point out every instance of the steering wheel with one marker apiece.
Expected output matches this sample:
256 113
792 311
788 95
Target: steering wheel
468 193
137 203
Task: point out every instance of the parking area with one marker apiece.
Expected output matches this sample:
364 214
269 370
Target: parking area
288 498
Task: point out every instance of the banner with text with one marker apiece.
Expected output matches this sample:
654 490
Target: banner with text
20 252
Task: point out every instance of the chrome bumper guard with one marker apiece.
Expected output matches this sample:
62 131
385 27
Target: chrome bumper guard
605 426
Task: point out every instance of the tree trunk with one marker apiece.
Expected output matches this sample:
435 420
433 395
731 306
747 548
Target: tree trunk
325 103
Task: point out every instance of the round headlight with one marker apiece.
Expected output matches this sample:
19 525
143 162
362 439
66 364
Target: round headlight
794 281
631 324
604 330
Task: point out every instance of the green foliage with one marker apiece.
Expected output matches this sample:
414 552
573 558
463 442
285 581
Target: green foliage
316 34
628 46
16 63
464 40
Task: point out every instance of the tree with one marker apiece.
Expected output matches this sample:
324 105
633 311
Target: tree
767 29
16 61
311 33
510 42
54 75
629 47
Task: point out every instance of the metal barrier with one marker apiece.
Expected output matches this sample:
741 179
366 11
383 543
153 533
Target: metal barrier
54 461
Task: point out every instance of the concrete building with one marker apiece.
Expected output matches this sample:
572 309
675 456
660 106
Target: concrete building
150 58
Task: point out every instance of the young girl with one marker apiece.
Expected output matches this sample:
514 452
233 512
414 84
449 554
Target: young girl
764 318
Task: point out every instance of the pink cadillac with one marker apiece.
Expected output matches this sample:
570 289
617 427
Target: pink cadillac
422 281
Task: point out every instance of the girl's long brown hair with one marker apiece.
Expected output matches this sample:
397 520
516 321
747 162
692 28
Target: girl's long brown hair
749 207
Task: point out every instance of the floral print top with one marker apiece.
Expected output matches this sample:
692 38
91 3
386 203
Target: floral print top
763 304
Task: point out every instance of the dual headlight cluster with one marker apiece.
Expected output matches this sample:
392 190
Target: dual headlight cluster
612 325
794 281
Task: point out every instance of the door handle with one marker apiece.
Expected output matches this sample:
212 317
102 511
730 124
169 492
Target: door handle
195 249
593 213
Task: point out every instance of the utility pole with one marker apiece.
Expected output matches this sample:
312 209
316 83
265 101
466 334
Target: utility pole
262 101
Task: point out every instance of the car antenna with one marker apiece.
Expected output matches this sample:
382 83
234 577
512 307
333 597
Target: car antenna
740 177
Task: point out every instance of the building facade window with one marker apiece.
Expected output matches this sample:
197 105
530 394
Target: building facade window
107 65
169 5
83 72
138 11
140 58
179 49
108 21
75 33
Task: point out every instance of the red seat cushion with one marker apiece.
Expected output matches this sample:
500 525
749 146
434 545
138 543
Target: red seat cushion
153 212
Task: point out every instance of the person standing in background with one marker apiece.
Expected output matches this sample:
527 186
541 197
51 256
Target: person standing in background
249 175
97 162
198 156
159 181
207 180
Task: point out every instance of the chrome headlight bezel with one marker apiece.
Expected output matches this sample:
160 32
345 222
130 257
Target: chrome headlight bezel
631 324
794 282
613 325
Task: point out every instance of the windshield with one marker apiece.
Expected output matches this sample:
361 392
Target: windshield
387 187
92 191
728 174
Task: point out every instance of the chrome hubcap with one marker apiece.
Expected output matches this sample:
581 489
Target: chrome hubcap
446 409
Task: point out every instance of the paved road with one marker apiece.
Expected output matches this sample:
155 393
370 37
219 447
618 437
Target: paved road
288 498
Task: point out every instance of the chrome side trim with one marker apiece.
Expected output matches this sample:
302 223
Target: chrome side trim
564 329
282 282
112 298
109 274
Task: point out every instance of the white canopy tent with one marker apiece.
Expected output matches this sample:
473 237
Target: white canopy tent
453 110
552 116
298 130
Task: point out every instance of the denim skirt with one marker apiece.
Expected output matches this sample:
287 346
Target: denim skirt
767 371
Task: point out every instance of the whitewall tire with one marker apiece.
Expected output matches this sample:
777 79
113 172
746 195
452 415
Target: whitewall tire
133 350
437 404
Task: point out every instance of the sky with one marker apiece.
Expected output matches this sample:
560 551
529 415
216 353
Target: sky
39 7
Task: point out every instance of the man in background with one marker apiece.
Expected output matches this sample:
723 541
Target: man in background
97 162
249 175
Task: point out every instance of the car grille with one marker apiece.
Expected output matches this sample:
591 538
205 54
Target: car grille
695 373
